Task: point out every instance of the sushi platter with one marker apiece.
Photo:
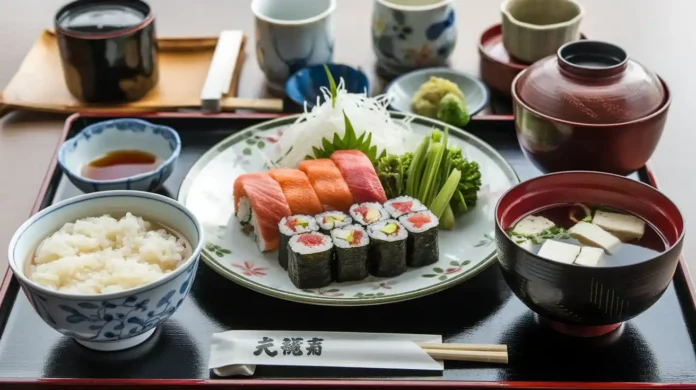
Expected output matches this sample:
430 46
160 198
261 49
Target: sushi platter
475 308
464 250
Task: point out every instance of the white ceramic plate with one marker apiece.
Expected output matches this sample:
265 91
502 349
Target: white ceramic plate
464 251
404 87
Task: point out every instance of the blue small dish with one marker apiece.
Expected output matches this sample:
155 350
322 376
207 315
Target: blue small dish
96 140
402 89
304 85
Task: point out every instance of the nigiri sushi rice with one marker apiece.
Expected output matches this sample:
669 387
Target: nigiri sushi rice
403 205
368 213
290 226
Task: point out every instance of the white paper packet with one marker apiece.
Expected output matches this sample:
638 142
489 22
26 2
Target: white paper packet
238 352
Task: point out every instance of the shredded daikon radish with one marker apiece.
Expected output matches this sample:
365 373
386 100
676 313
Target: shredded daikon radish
366 114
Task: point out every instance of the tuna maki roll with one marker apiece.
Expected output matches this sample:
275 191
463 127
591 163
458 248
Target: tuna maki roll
387 255
422 245
309 263
403 205
351 245
368 213
332 219
288 227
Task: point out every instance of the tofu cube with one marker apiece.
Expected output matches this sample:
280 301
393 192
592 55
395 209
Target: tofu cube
589 256
623 226
593 235
559 251
526 244
532 225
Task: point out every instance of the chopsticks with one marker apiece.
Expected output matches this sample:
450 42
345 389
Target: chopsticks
487 353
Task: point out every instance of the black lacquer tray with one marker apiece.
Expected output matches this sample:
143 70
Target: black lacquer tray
655 349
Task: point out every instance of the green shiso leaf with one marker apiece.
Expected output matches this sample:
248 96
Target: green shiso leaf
349 141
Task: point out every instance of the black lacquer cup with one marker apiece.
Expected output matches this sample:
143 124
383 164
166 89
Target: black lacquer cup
108 49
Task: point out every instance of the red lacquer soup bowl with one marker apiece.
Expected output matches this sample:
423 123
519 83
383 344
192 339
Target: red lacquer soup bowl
577 299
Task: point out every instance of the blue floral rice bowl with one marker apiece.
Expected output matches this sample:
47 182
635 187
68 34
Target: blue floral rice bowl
100 138
118 320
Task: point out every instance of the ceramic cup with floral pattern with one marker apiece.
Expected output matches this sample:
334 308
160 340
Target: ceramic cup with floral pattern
292 35
410 34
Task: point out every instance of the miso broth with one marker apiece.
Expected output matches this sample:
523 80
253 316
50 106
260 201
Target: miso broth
594 235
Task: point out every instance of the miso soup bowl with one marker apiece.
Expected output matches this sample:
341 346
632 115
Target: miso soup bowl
114 321
581 300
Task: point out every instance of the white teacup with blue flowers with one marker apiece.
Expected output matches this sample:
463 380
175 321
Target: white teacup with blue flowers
410 34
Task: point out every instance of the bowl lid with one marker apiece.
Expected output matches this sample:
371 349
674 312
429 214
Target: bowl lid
590 82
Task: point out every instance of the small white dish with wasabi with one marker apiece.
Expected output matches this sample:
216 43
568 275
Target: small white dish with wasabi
439 93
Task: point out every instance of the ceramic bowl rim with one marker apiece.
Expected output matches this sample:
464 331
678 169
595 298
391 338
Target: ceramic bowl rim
149 19
72 202
414 8
359 74
331 8
169 161
566 266
660 110
483 53
581 13
476 80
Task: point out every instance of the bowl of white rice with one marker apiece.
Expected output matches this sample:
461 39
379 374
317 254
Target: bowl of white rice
107 268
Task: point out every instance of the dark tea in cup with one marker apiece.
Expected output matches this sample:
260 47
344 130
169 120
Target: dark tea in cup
108 49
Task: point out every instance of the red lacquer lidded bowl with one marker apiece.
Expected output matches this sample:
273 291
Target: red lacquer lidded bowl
589 107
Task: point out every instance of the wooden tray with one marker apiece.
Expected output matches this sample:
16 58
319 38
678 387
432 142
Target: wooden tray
654 350
184 62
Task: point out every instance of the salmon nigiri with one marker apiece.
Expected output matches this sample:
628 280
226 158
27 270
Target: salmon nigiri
259 202
326 179
360 175
298 191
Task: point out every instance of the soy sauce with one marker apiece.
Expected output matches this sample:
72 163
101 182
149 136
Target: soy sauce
120 164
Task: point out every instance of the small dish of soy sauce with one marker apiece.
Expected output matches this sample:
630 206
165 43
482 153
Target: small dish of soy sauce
108 49
120 154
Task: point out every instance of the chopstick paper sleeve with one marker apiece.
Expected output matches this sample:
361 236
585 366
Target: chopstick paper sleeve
238 352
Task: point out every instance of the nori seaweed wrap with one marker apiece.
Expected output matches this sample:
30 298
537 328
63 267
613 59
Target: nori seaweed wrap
310 260
351 246
422 244
288 227
387 255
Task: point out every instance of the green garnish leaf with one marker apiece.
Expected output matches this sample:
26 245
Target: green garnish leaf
349 141
332 85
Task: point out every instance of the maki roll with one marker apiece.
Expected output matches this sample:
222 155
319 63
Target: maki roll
351 245
403 205
288 227
368 213
422 245
387 255
332 219
309 262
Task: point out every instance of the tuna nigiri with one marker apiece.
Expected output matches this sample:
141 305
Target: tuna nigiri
360 175
326 179
259 202
298 191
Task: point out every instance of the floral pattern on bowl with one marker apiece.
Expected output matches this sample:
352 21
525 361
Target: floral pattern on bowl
118 320
100 138
464 251
413 37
